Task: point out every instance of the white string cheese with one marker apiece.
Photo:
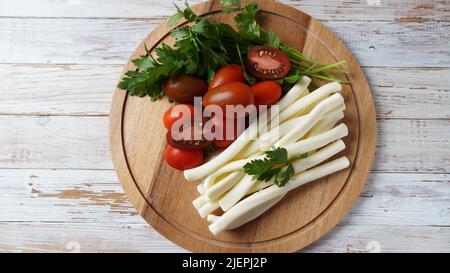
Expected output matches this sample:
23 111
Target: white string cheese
298 148
242 141
259 202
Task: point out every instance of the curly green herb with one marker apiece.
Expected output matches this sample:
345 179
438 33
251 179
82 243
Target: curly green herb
276 165
203 46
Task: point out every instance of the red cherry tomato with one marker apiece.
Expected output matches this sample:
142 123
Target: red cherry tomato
235 93
184 137
221 125
222 144
265 62
227 74
177 112
183 88
266 93
183 159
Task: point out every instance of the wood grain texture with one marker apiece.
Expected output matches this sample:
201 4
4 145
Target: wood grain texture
78 196
436 148
75 90
68 44
85 90
54 142
397 199
67 237
75 237
401 211
109 41
37 142
373 238
395 210
319 206
410 93
418 10
95 196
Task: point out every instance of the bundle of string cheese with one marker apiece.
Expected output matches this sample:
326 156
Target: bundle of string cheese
307 126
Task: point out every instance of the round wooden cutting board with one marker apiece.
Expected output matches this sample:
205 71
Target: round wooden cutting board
164 198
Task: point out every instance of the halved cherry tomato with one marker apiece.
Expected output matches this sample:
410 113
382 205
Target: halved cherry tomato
183 159
177 112
265 62
227 74
235 93
266 93
189 137
183 88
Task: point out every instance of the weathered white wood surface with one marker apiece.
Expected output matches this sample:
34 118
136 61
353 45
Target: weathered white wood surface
108 41
60 61
58 207
75 142
85 90
36 195
403 10
76 237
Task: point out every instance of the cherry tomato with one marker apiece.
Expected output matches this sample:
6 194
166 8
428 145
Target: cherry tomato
221 125
177 112
222 144
228 74
185 137
265 62
235 93
266 93
183 159
183 88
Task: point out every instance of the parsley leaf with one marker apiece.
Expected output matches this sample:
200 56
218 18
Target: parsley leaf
272 39
203 46
256 167
144 62
175 19
268 175
276 165
249 29
285 176
277 156
231 3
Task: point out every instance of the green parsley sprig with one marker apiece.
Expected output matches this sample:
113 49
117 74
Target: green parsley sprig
203 46
251 32
276 165
200 48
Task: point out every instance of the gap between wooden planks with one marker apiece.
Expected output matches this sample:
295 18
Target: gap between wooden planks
373 52
111 41
75 237
82 143
61 207
95 196
403 10
86 90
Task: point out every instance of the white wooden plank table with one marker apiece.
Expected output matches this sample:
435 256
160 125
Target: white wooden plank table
60 61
